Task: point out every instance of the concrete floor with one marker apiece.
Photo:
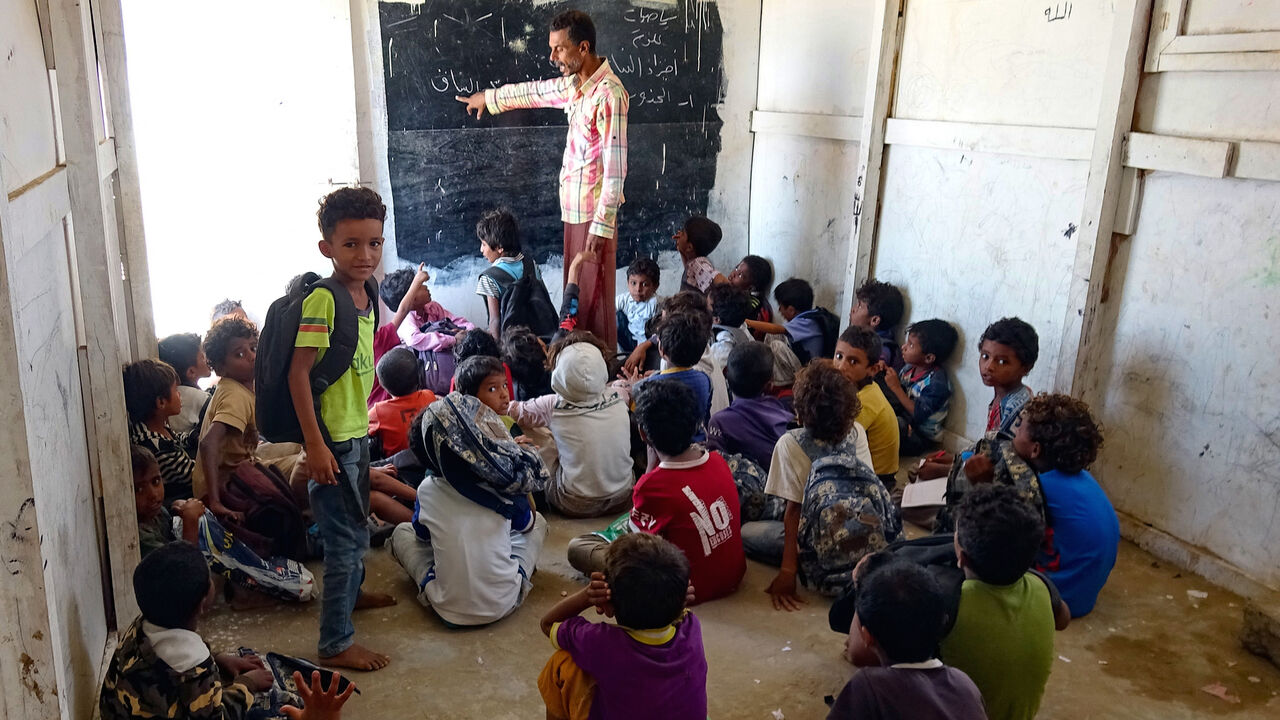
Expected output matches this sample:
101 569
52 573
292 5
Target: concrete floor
1145 652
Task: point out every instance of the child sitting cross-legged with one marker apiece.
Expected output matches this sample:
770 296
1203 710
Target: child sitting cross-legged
921 388
899 619
639 303
591 474
184 354
162 667
856 357
151 397
754 420
650 663
689 498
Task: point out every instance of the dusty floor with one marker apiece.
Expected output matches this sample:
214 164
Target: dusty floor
1145 652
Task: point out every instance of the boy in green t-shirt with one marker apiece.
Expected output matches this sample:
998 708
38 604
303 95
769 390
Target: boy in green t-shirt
351 228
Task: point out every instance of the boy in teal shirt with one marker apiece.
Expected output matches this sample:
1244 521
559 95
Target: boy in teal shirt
338 466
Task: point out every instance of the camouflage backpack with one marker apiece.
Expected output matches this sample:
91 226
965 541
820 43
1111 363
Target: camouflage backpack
846 513
1009 469
753 502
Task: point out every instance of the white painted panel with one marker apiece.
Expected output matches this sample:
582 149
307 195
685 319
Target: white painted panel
1226 105
814 55
1004 61
1228 16
235 147
1193 430
49 375
802 210
971 238
26 113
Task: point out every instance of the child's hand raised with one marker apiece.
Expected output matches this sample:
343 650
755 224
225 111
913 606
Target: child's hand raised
599 594
319 703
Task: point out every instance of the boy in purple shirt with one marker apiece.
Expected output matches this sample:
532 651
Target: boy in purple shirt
651 663
754 421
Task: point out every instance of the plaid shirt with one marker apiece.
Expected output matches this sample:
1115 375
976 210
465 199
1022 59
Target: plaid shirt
595 152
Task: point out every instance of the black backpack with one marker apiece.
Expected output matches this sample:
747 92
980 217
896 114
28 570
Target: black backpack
525 301
829 324
277 421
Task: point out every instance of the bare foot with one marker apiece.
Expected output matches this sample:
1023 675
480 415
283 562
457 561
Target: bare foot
369 600
357 657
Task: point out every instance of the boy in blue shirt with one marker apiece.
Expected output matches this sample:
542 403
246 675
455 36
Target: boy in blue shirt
1058 437
682 339
801 321
350 222
921 388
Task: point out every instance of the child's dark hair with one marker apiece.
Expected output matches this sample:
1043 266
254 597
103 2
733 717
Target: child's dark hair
170 583
749 369
1017 334
475 342
683 337
417 443
217 342
935 337
999 532
647 267
687 301
394 286
882 299
795 293
826 402
398 371
668 413
349 203
579 27
498 229
730 305
141 459
470 373
863 339
1069 437
573 338
181 351
225 308
146 381
525 355
703 234
648 580
901 605
761 273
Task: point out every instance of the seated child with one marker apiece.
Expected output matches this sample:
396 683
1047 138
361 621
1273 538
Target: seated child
826 404
878 306
690 498
682 339
695 241
1058 436
754 421
420 323
856 356
651 663
641 358
729 308
155 524
639 303
591 474
921 388
474 539
183 353
1002 637
1007 351
399 373
899 619
162 667
755 275
483 377
812 330
151 398
479 342
500 244
525 356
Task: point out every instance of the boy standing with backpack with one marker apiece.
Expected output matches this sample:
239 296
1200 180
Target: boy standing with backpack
335 424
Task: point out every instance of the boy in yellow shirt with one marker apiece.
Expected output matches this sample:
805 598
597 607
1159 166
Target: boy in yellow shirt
857 357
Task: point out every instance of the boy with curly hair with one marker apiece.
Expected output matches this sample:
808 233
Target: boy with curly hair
229 432
151 399
1058 437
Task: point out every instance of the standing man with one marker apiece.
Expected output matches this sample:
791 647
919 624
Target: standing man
595 156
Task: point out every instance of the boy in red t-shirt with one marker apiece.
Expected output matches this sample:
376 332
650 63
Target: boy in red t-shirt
690 499
389 420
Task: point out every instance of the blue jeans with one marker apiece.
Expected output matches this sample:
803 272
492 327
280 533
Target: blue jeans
341 512
763 540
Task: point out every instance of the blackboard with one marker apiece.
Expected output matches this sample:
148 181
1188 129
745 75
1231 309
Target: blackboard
447 168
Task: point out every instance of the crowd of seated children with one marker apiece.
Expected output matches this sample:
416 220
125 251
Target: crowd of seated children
420 324
755 275
855 357
184 354
921 388
1058 437
592 471
899 618
638 305
151 399
755 419
826 404
729 308
651 663
811 330
695 241
399 372
474 537
689 498
878 306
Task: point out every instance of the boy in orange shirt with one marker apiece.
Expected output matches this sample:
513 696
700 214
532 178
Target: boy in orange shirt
389 420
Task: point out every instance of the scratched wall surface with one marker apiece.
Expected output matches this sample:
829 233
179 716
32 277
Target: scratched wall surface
447 169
